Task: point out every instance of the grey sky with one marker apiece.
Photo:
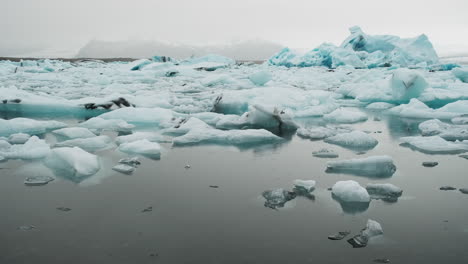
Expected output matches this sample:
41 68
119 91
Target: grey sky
69 24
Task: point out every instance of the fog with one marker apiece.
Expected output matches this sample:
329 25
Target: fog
63 27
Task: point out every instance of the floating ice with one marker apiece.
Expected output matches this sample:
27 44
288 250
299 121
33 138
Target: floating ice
325 153
461 73
277 198
26 125
150 136
34 148
98 123
350 191
374 166
74 132
385 191
133 161
316 133
373 228
430 164
73 162
407 84
123 168
229 137
143 147
462 120
345 115
91 144
156 116
139 64
417 109
446 131
304 186
434 145
38 180
260 78
261 117
19 138
354 140
209 62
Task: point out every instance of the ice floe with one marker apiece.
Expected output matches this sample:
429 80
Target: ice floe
354 140
374 166
142 147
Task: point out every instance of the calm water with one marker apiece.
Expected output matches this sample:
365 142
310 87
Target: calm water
193 223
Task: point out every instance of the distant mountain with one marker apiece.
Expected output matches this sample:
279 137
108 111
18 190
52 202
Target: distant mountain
245 50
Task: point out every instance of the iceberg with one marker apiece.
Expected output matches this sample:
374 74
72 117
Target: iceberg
417 109
150 136
99 124
260 78
434 145
380 106
34 148
74 162
407 84
373 228
142 147
209 62
384 191
462 120
304 186
277 198
353 140
461 74
350 191
345 115
321 132
91 144
360 50
156 116
124 168
19 138
74 132
446 131
325 153
28 126
374 166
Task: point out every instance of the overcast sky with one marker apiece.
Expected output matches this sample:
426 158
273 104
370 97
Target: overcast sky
69 24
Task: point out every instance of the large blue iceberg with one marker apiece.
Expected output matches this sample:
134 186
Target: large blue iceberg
360 50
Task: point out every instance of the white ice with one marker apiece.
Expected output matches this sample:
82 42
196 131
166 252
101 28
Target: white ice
143 147
74 132
373 166
350 191
354 140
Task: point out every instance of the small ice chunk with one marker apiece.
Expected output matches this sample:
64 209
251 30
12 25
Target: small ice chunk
74 161
89 144
133 161
433 145
463 190
373 228
374 166
277 198
384 191
447 188
38 180
34 148
304 186
430 163
345 115
355 140
350 191
74 132
123 168
339 236
18 138
143 147
260 78
4 145
407 84
325 153
150 136
26 125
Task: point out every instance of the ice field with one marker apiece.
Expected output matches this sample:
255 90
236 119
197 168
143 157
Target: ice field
364 143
